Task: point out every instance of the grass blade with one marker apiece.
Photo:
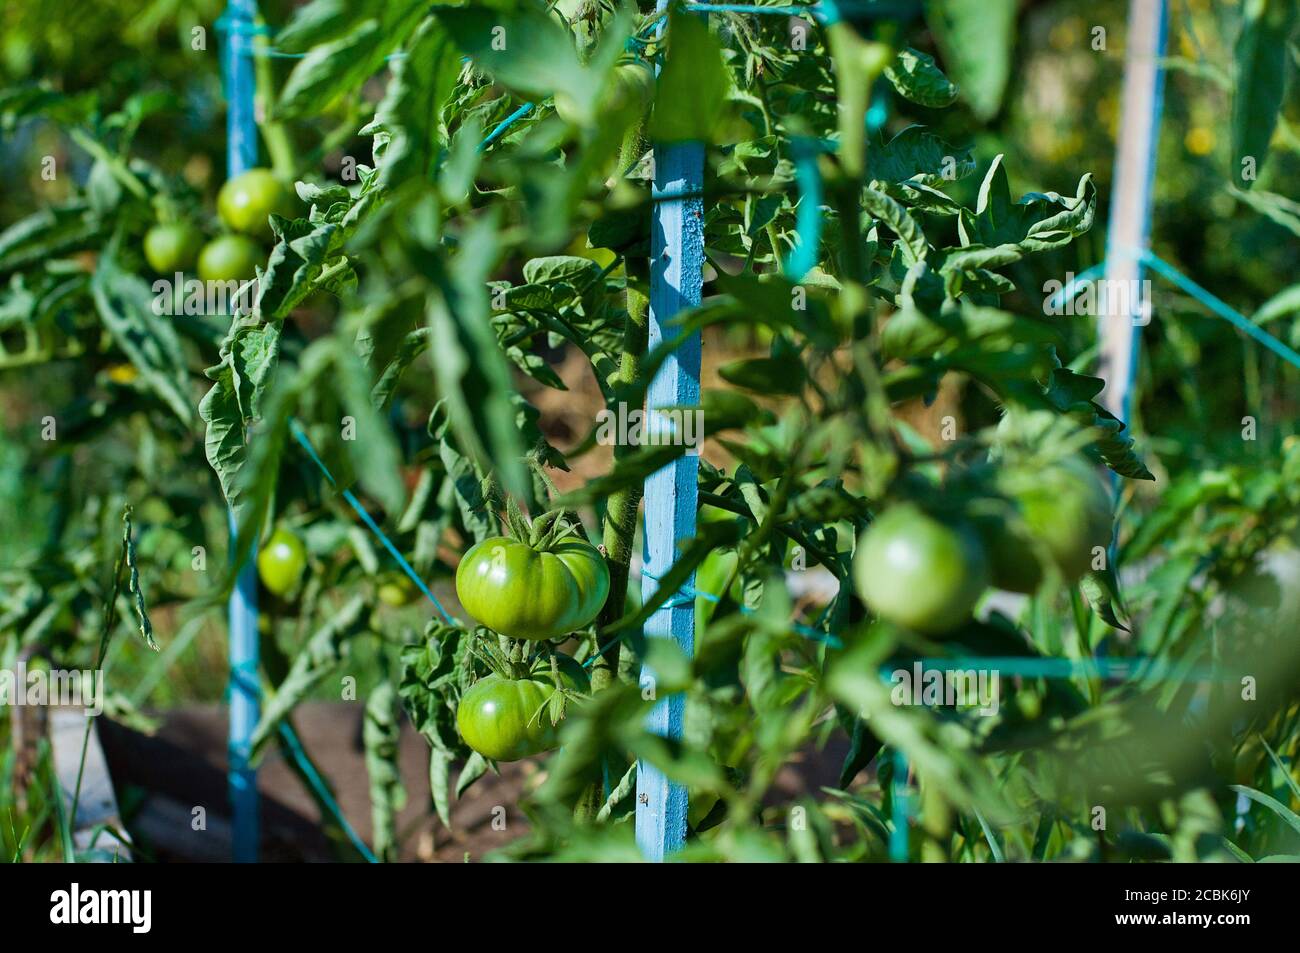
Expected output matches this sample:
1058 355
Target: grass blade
988 834
1273 804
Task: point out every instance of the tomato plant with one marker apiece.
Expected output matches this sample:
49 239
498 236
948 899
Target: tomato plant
905 455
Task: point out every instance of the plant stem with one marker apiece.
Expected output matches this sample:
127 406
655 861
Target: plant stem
619 532
621 510
278 146
116 164
110 618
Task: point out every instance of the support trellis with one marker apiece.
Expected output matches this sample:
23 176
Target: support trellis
244 691
1130 209
671 494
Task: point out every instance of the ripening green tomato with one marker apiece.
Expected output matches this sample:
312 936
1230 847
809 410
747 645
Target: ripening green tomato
246 202
504 719
918 572
1030 703
396 590
1067 513
519 592
631 90
230 258
172 247
1013 564
281 562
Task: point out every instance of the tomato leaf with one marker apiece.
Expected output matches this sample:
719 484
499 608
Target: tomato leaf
917 156
975 38
1101 587
334 68
125 306
694 73
525 49
411 112
471 372
917 78
381 732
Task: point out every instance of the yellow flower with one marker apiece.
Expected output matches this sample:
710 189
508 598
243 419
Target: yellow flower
122 373
1199 141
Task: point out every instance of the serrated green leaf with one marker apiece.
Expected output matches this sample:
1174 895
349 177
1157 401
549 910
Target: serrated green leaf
975 39
911 238
918 78
917 156
126 307
339 66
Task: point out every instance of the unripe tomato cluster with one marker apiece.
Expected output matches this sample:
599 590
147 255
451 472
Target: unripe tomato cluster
244 206
925 572
531 593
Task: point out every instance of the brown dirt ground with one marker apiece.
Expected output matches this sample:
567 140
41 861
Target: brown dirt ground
160 779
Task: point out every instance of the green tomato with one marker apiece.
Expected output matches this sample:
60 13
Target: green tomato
396 590
633 89
630 91
1067 513
920 573
246 202
172 247
230 258
1013 565
519 592
506 719
281 562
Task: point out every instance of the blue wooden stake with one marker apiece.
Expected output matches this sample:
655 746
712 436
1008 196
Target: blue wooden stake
241 154
671 494
1130 205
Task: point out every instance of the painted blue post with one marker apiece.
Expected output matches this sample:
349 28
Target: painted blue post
671 494
1129 230
241 154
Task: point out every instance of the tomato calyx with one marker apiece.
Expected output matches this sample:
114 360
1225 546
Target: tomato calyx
521 660
542 534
